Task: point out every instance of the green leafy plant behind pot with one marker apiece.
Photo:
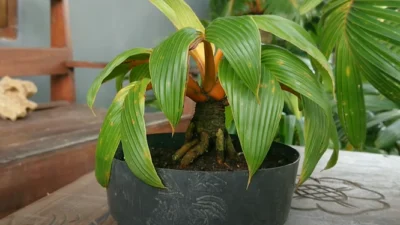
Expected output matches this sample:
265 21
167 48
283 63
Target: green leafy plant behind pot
253 79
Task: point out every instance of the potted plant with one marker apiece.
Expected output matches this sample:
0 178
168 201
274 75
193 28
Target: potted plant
206 176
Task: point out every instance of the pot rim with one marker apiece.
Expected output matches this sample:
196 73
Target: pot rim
234 171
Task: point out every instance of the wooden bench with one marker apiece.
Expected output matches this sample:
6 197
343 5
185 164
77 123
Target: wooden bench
55 144
363 189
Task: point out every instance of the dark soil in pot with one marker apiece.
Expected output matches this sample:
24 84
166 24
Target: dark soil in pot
205 193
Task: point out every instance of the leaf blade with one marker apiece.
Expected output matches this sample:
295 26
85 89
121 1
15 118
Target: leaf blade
179 13
134 141
256 123
109 138
107 72
296 35
169 70
294 73
350 98
316 136
241 45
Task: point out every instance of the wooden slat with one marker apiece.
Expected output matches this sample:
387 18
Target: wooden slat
32 61
8 25
62 86
52 147
85 64
25 181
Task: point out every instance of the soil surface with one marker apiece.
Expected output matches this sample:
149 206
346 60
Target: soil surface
162 158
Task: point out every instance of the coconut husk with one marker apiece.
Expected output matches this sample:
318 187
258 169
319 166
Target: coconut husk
14 94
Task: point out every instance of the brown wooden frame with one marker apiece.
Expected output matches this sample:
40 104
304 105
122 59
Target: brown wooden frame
10 31
55 60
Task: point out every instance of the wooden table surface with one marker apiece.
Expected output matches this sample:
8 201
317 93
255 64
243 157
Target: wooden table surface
363 189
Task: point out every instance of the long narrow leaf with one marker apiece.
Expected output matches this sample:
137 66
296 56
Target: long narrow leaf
109 137
256 122
350 98
169 72
336 144
182 16
240 41
317 135
179 13
111 71
139 72
294 73
134 141
296 35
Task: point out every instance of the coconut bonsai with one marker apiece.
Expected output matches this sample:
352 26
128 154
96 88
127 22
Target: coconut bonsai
240 72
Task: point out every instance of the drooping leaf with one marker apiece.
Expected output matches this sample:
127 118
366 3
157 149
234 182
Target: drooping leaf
388 136
139 72
350 98
134 141
182 16
169 71
109 137
114 69
294 73
256 122
179 13
336 144
317 134
239 40
296 35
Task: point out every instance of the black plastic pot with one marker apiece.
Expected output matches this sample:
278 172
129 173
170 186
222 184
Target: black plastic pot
203 197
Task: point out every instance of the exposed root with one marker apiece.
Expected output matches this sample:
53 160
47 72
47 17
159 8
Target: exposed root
197 151
230 149
184 149
189 132
207 131
219 146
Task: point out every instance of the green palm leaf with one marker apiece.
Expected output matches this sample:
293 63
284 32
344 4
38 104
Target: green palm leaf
316 135
239 40
134 141
114 69
109 137
296 35
169 72
179 13
139 72
350 98
367 27
294 73
256 122
181 16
